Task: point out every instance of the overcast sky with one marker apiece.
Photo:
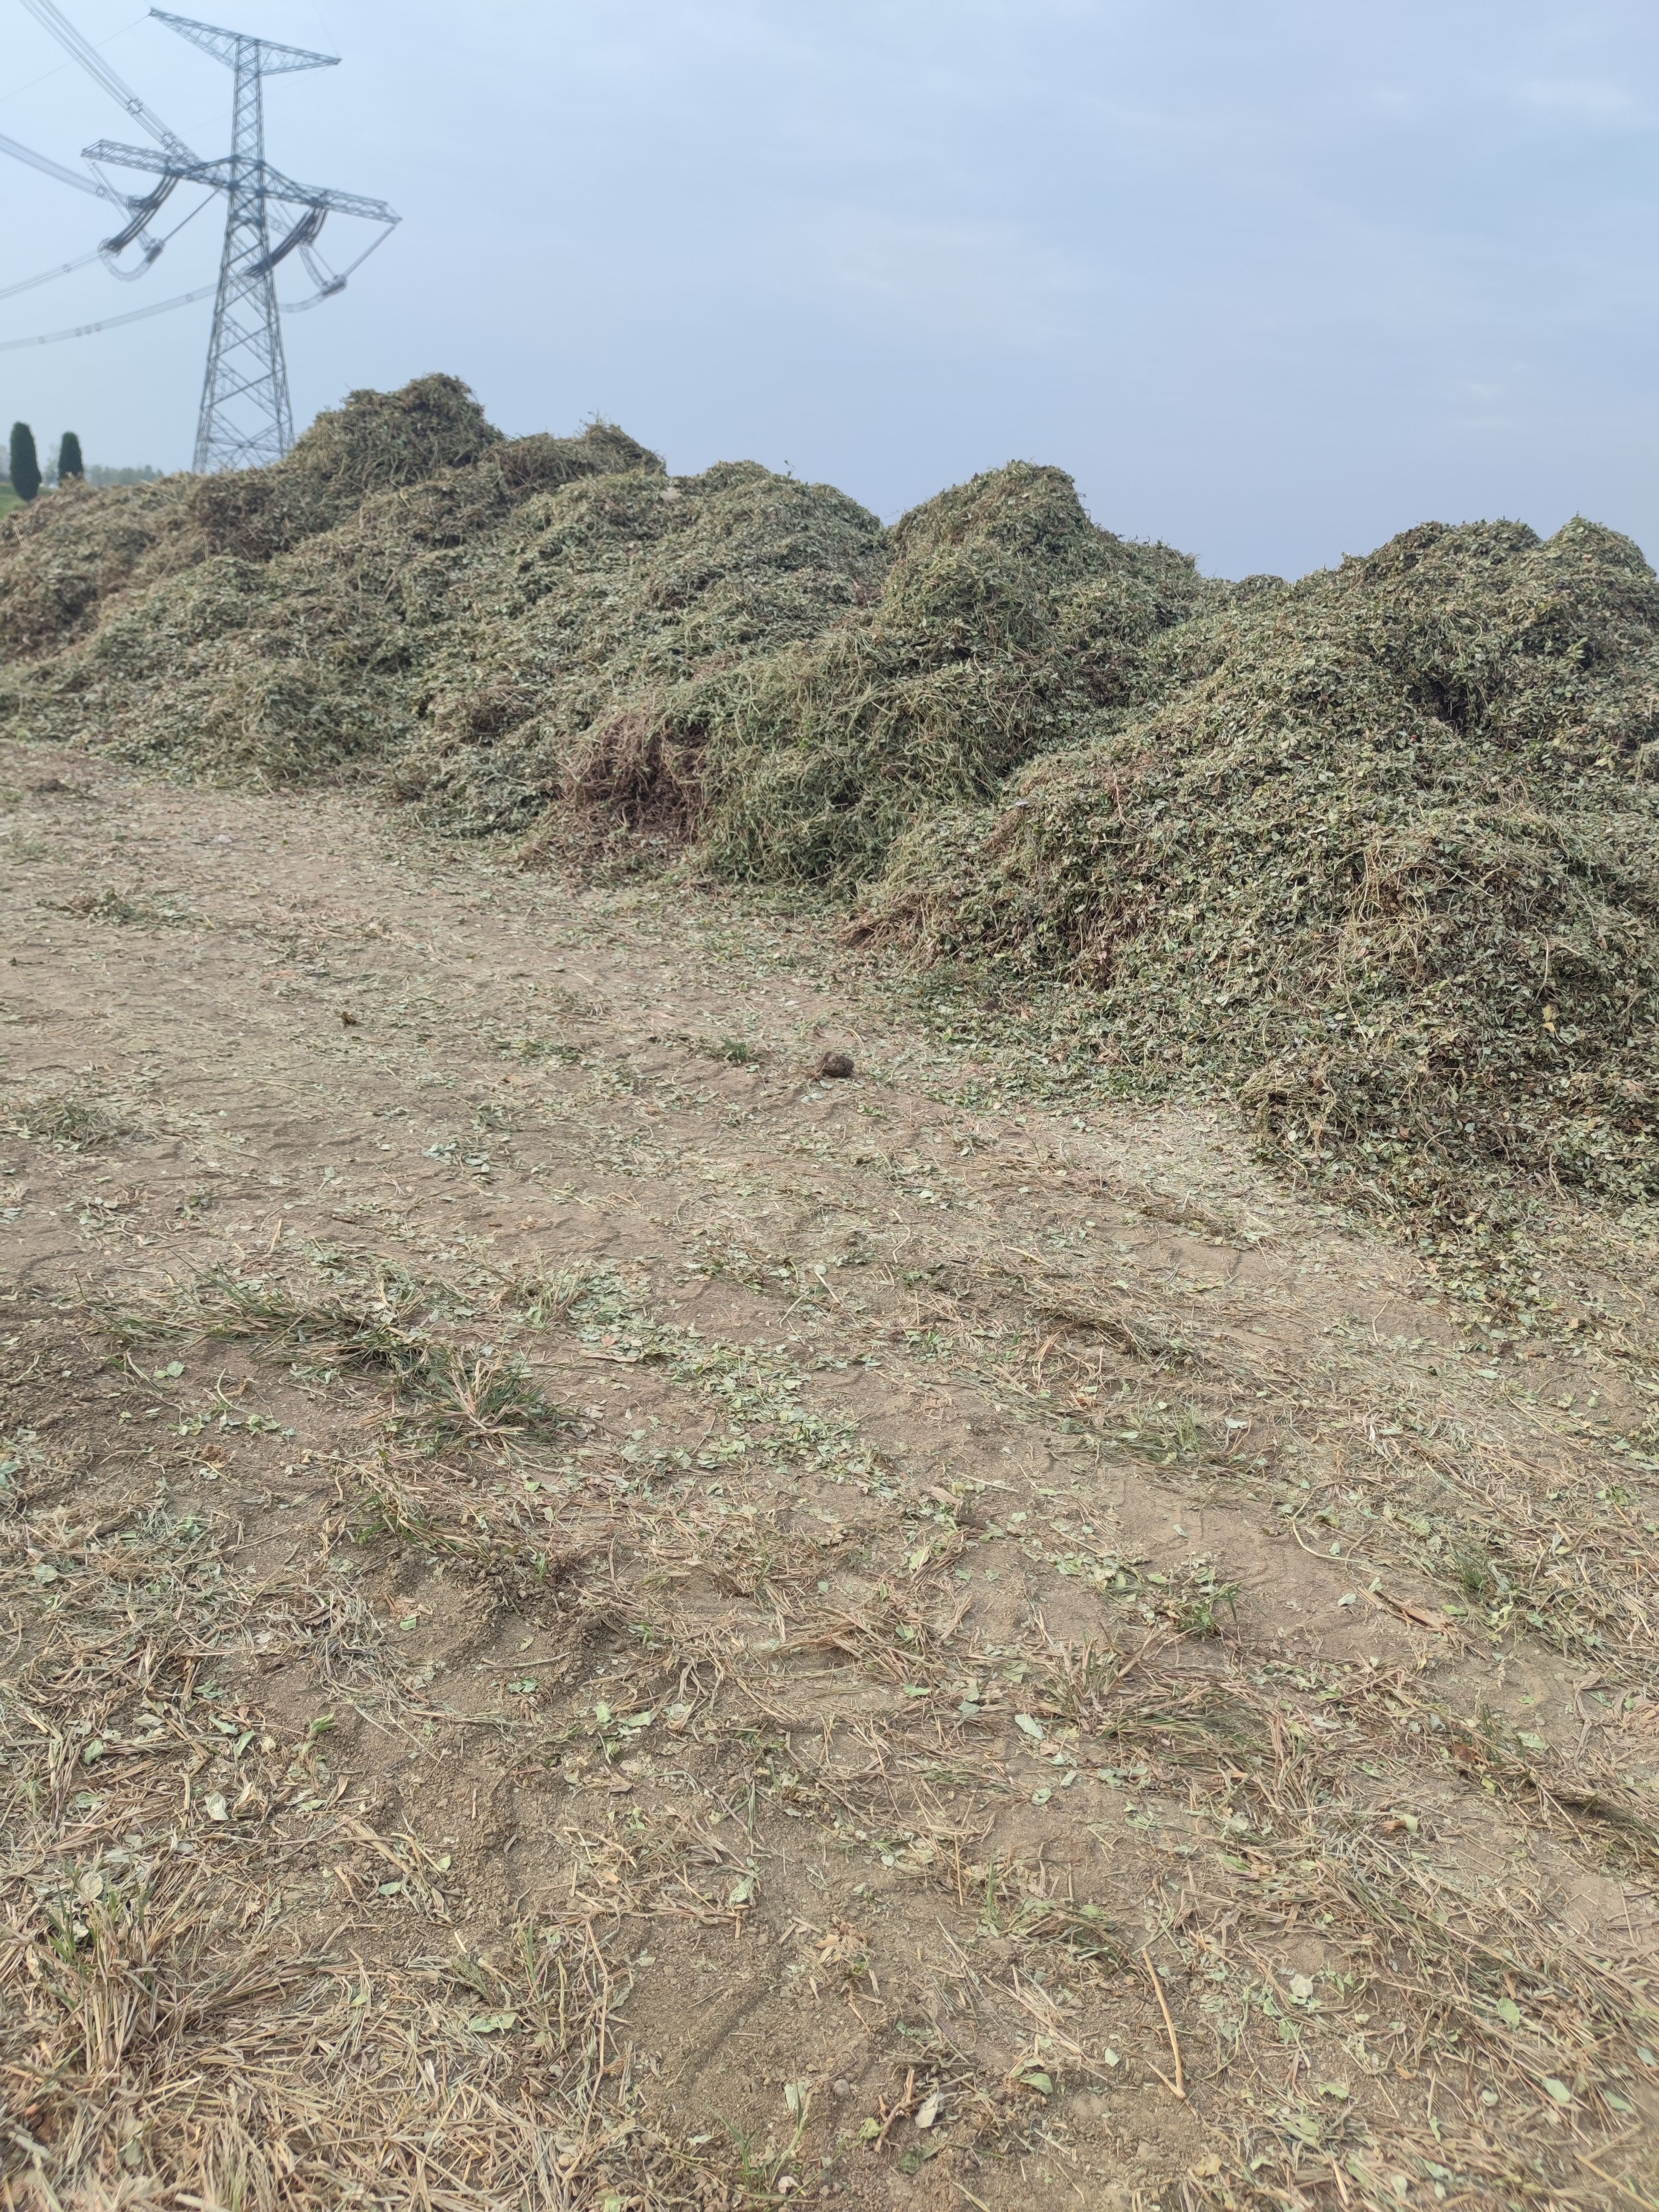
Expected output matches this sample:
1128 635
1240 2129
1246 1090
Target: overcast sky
1272 278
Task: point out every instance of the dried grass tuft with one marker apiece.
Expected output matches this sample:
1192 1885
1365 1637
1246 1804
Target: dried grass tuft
382 1323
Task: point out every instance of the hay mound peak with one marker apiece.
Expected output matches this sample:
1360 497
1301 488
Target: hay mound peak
376 442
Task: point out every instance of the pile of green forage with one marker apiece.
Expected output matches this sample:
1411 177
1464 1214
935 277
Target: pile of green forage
1379 849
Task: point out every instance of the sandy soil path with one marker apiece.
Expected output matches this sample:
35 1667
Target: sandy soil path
717 1633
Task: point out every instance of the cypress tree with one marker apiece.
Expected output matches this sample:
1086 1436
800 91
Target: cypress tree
25 461
69 463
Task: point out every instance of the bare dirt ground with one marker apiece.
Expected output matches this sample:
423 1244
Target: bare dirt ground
592 1619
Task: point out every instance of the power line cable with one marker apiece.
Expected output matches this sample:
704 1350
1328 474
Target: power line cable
48 167
52 19
167 236
16 91
67 268
110 322
328 283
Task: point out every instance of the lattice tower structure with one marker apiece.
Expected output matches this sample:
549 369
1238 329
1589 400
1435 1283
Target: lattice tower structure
245 419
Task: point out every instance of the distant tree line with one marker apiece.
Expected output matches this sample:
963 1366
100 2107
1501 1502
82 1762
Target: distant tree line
26 477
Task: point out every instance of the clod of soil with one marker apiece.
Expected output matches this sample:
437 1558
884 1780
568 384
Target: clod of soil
835 1066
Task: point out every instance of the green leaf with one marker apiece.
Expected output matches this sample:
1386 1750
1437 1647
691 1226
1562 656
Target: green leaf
1508 2011
1040 2081
492 2023
1028 1725
742 1891
1558 2089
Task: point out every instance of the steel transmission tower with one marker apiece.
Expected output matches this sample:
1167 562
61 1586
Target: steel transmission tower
245 419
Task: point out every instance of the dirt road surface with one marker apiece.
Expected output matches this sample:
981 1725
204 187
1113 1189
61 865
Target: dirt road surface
596 1618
